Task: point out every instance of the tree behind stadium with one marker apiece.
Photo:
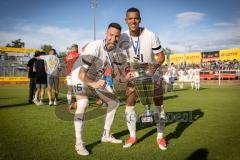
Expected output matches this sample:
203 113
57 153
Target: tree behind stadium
16 44
46 48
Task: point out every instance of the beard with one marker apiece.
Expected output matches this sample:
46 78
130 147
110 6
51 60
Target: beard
111 46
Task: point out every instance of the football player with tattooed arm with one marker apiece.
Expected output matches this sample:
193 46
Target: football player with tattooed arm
87 81
144 47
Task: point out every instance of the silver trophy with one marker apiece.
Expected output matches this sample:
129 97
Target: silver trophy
144 85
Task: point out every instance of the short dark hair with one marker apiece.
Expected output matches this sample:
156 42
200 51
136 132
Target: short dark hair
42 53
74 45
115 25
54 51
36 53
133 10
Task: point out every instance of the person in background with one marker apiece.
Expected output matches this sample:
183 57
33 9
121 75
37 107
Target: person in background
181 77
71 57
196 77
190 76
32 78
172 75
52 66
41 79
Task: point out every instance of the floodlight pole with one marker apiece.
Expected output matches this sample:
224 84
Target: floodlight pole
94 6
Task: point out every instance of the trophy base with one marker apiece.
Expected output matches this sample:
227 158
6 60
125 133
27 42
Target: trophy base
147 119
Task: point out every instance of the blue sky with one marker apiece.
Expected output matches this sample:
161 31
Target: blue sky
182 25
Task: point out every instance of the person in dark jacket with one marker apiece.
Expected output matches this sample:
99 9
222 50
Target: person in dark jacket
41 79
31 76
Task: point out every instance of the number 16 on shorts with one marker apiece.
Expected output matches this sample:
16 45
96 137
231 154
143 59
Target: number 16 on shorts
78 89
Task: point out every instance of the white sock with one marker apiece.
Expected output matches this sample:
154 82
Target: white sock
159 135
161 123
78 119
131 120
192 84
195 85
69 98
106 133
35 97
111 110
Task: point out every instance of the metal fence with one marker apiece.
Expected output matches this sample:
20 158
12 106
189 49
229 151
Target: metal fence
14 68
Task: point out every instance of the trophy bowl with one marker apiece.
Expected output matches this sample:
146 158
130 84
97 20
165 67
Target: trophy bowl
144 86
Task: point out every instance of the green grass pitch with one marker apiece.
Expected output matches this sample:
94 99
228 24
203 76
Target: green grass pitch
43 132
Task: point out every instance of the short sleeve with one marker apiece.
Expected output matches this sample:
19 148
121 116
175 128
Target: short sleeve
89 55
156 44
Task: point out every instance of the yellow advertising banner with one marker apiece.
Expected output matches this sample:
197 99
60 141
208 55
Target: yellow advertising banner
20 50
177 58
21 79
14 79
194 57
230 54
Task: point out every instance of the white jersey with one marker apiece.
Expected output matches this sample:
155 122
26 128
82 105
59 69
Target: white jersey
172 71
166 77
190 74
196 74
52 63
181 75
94 49
141 48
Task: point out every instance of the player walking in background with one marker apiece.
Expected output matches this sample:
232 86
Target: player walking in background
196 75
190 76
181 77
172 75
